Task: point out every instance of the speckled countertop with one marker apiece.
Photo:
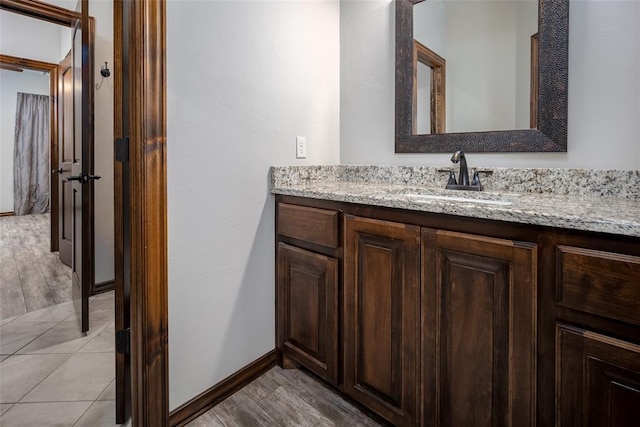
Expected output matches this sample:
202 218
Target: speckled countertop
605 201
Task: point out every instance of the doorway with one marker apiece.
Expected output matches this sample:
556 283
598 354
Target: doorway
35 278
34 42
40 11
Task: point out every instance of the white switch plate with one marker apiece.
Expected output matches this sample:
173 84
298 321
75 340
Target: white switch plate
301 147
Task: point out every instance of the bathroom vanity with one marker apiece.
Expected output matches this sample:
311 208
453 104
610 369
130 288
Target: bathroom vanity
433 307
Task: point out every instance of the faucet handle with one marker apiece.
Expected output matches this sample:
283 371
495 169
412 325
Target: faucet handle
484 171
476 177
452 178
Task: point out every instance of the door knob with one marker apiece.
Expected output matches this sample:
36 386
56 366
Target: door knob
83 178
57 170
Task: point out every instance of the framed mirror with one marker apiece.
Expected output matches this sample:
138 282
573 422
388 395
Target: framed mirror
464 113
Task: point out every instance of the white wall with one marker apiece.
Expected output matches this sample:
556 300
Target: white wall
428 29
527 25
103 141
29 38
26 38
243 80
604 89
11 83
66 40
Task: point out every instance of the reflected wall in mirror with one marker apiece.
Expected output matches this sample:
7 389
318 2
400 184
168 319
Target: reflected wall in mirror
486 45
499 96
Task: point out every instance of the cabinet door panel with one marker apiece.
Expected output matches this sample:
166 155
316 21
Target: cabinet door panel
598 379
381 317
308 309
478 326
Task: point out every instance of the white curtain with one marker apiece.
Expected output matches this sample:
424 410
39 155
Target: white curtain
31 155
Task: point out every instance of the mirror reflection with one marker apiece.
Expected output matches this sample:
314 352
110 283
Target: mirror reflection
488 82
423 98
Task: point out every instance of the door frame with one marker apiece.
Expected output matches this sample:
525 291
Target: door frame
67 18
8 62
144 22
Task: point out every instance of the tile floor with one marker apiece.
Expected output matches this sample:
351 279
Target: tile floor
52 374
31 277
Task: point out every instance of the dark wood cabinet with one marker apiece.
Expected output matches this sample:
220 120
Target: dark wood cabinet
381 306
308 224
308 312
437 320
599 282
598 380
307 289
478 329
597 365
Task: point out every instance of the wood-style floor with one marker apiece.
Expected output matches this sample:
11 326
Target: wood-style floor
285 398
31 277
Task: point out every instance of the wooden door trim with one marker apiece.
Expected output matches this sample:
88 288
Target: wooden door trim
30 64
144 21
122 314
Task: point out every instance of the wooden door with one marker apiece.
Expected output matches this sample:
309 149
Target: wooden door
82 177
598 380
381 327
66 157
478 330
308 310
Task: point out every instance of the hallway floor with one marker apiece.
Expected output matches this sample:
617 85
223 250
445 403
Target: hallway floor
52 374
31 277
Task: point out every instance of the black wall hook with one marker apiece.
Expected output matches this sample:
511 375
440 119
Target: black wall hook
104 71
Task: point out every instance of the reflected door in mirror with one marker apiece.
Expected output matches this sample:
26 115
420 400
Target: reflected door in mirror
487 48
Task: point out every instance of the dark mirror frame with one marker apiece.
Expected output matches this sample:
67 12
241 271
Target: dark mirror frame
551 132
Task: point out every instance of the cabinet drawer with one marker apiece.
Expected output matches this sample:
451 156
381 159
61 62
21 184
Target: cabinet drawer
313 225
596 282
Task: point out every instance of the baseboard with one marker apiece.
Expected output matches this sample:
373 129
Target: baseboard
200 404
102 287
7 213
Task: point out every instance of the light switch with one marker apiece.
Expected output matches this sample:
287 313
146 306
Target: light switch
301 147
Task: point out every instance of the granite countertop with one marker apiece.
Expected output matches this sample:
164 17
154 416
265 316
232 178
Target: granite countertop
606 201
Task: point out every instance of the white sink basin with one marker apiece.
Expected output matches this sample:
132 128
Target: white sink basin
434 197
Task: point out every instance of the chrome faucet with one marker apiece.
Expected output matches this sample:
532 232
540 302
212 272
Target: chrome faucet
458 156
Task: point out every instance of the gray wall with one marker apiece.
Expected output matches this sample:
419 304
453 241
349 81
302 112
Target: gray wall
103 141
243 80
604 89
